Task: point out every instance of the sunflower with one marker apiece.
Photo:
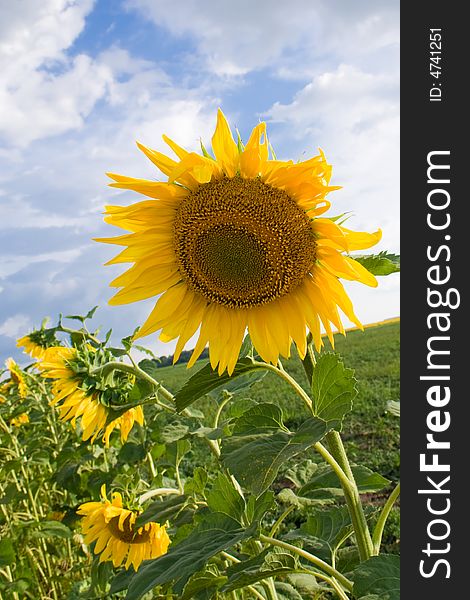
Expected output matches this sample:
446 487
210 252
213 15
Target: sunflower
19 420
79 396
113 529
16 378
236 242
36 342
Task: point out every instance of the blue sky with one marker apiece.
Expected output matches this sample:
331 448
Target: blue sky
81 80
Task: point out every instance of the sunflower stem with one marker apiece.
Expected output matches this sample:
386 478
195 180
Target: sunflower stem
379 527
343 470
290 380
279 521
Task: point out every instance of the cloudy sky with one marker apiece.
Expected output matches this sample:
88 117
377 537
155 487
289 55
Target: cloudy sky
82 80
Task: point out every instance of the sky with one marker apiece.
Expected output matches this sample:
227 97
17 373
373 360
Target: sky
82 80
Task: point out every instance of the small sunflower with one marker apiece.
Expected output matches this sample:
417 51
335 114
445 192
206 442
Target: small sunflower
78 394
16 378
113 529
236 242
36 342
19 420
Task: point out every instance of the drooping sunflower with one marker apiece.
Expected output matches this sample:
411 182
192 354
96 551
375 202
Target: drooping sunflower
235 242
36 343
17 378
117 539
79 395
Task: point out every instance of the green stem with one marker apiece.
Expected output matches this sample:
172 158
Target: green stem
348 483
338 589
220 409
330 459
290 380
379 527
321 564
279 521
270 589
351 494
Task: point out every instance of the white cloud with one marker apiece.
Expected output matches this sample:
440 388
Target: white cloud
12 264
15 326
236 37
43 92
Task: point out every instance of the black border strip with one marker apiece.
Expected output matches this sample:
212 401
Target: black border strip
433 125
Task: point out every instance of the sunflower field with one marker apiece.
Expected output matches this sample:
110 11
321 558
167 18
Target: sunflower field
263 472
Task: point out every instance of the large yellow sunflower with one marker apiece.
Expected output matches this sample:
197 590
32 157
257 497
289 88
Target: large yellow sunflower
113 529
77 397
236 242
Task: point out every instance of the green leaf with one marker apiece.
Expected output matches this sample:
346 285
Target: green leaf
12 493
224 498
257 507
305 583
378 575
131 453
325 478
324 531
173 432
347 559
163 510
302 472
333 389
285 591
239 406
197 483
207 380
48 529
289 497
100 575
261 443
270 563
121 581
379 264
215 533
203 586
83 318
7 552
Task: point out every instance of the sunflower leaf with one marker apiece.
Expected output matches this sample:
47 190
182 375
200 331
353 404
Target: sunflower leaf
203 585
325 481
324 531
216 532
224 498
383 263
206 380
271 562
333 389
380 576
261 443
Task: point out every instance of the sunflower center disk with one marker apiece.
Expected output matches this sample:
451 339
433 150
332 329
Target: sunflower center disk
242 243
129 535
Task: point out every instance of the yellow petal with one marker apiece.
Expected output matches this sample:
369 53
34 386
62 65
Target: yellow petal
224 147
255 152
